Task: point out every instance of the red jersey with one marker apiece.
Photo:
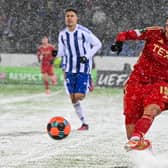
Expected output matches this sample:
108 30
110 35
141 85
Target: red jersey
152 65
46 53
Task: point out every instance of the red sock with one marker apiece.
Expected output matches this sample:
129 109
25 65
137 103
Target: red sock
142 126
46 84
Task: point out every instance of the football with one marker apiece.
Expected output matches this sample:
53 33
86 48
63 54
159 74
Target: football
58 128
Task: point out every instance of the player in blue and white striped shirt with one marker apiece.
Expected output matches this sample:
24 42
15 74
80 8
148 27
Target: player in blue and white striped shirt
77 45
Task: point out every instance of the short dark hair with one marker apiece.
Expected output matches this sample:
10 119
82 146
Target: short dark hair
71 10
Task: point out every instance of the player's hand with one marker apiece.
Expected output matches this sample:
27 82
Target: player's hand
117 47
52 62
54 53
83 60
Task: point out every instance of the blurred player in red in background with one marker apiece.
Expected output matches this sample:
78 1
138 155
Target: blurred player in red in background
146 90
46 54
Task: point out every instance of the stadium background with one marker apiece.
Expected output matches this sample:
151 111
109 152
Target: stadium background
23 23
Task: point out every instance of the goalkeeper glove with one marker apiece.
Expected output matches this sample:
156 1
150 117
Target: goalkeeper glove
117 46
54 53
83 60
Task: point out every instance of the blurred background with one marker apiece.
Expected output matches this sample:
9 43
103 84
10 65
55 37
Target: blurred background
24 22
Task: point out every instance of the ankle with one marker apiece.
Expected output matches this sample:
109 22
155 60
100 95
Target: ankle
136 136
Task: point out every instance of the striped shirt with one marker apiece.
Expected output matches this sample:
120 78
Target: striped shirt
73 45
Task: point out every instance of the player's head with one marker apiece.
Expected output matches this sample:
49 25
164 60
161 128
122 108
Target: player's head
44 40
71 17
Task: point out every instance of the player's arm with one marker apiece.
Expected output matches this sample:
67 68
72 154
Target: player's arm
136 34
61 53
123 36
96 45
54 51
61 46
63 63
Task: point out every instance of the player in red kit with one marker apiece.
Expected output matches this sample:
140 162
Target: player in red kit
146 90
46 54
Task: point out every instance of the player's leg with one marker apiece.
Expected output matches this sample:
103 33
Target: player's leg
91 83
129 129
76 88
132 108
80 110
81 89
53 79
137 140
46 83
52 75
70 86
153 105
44 71
145 122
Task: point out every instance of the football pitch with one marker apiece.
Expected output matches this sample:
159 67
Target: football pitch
26 109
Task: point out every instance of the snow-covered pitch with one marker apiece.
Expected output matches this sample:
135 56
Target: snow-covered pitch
24 143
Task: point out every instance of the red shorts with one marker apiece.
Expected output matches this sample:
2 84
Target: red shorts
138 95
47 68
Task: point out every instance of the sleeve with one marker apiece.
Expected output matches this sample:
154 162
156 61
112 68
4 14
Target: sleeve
63 63
138 34
61 52
95 45
131 35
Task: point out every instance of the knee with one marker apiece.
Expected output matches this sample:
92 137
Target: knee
151 111
73 99
79 96
45 76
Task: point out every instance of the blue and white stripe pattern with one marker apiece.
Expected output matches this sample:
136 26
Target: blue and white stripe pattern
73 45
